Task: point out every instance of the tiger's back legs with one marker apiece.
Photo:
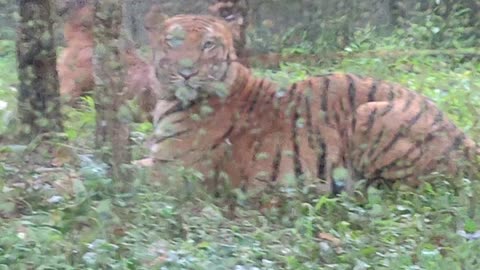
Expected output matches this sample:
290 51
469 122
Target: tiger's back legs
381 146
392 141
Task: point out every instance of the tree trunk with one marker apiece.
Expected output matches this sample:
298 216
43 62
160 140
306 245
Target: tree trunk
111 132
38 98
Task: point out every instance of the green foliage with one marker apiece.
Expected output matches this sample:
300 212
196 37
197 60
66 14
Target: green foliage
328 26
95 229
80 122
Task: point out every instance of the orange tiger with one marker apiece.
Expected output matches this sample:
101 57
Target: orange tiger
223 121
75 66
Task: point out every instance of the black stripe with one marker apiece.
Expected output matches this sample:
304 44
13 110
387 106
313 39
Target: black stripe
291 92
391 93
248 96
352 95
276 164
224 75
324 105
417 158
352 92
270 98
255 98
272 95
457 141
354 123
437 131
223 138
372 92
321 157
438 117
410 98
375 143
429 138
393 163
256 92
309 122
389 145
177 108
296 148
371 120
337 118
414 120
401 133
387 109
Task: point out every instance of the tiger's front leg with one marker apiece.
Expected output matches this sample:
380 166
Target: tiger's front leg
180 143
337 176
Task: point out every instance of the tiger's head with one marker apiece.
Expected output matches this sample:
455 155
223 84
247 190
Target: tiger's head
192 55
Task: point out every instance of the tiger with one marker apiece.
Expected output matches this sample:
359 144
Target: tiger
330 130
75 65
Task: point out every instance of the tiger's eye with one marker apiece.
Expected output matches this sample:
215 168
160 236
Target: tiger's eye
208 45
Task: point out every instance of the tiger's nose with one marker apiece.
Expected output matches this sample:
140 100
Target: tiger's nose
187 73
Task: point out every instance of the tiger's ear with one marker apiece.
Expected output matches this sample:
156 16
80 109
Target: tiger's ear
234 12
236 24
154 19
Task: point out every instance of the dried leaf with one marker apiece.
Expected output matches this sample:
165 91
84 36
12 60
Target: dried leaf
330 238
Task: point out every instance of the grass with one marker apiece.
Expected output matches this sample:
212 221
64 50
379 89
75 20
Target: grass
71 218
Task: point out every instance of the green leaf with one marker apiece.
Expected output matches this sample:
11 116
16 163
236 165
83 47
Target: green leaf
470 226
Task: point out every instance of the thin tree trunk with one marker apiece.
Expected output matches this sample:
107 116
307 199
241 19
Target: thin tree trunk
38 98
111 132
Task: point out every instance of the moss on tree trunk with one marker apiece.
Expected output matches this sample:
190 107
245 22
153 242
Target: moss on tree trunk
38 97
111 133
